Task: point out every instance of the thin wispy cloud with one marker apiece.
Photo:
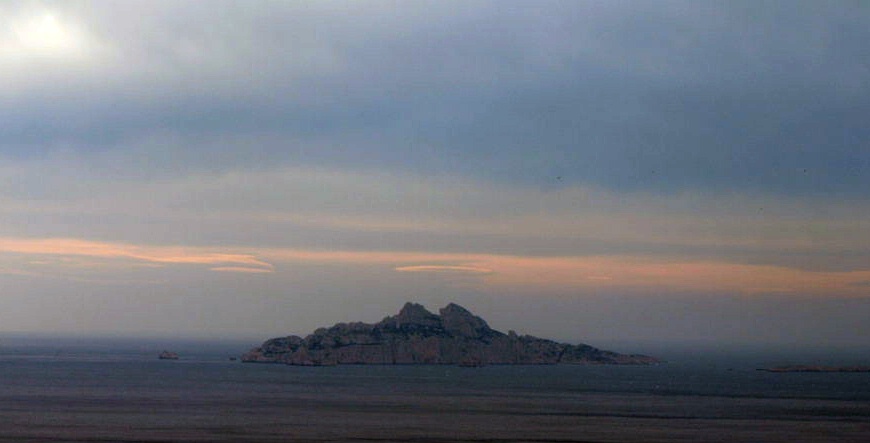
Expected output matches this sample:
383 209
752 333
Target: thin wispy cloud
445 268
242 269
335 210
536 273
121 251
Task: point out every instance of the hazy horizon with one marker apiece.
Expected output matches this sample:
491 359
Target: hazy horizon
615 342
599 172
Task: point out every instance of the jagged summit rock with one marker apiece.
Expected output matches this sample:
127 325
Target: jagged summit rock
416 336
460 322
415 314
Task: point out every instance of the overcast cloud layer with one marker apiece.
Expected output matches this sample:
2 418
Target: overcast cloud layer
665 96
267 167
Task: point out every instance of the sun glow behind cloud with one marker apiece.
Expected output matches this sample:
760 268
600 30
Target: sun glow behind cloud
40 35
44 33
49 49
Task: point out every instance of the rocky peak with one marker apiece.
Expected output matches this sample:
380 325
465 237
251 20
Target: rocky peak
414 314
459 321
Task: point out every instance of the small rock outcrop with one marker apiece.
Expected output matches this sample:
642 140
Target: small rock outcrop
166 355
417 336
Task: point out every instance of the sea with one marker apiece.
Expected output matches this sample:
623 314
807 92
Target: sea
117 390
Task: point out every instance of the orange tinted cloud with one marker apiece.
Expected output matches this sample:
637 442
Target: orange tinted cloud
566 274
578 273
148 254
241 269
633 273
444 268
561 274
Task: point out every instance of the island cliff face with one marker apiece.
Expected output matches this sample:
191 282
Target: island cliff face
417 336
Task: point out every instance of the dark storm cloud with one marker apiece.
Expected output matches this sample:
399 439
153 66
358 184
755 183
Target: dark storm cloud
666 96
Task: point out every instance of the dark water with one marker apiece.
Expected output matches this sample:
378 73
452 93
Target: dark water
67 390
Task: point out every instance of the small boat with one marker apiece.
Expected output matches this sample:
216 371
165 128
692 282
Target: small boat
166 355
471 363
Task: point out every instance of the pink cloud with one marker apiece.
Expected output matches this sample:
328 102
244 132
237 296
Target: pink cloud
445 268
241 269
66 247
561 274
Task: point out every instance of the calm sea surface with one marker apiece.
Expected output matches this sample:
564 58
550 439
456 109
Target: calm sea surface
76 390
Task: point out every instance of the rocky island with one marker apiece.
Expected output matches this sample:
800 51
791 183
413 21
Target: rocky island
416 336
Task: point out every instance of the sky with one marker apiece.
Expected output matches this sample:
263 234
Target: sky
601 172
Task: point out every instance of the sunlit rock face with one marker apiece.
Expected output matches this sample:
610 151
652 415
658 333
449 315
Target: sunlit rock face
417 336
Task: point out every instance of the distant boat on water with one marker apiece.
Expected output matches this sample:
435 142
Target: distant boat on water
471 364
166 355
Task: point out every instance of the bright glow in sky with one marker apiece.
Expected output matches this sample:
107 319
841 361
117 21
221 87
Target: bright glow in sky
40 35
43 33
260 168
